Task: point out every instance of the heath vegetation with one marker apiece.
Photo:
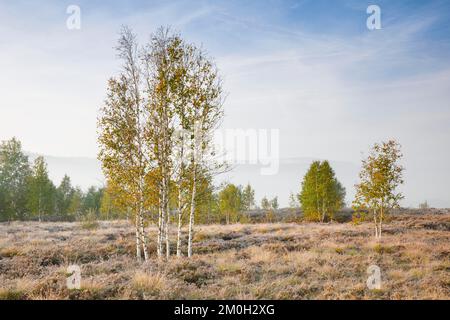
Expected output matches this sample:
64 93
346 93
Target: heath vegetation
237 261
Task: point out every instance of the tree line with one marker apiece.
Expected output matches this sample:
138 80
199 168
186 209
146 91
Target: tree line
27 192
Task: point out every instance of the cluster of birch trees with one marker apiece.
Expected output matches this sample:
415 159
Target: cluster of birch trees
155 133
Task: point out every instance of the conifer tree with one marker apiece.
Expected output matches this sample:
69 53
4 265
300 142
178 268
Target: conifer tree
14 176
41 199
64 194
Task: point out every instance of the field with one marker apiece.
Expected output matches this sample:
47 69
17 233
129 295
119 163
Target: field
253 261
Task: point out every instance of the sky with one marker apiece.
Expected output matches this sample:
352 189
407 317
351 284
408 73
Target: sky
308 68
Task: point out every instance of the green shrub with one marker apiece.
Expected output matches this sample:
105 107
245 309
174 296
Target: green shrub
10 294
89 221
359 216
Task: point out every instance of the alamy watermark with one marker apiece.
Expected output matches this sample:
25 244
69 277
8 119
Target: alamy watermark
237 146
374 280
250 146
73 22
374 20
73 280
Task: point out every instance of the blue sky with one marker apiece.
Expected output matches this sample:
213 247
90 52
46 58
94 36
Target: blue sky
309 68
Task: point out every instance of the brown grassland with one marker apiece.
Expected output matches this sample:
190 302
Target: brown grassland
242 261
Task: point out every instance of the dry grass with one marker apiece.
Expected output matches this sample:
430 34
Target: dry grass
265 261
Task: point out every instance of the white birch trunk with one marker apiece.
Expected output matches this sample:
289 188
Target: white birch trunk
160 231
143 236
380 222
138 239
180 199
323 211
192 211
376 224
167 218
180 217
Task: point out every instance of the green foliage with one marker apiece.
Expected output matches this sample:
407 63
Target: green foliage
359 216
274 204
322 195
41 196
110 205
92 200
265 204
89 220
29 193
270 207
11 294
76 203
230 203
244 218
121 137
248 197
14 176
270 216
379 178
206 201
64 194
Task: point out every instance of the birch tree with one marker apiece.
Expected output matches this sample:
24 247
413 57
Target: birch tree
165 87
248 197
205 110
162 73
182 179
380 176
123 150
186 96
182 137
230 202
265 203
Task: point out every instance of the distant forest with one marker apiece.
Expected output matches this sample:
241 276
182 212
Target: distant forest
27 193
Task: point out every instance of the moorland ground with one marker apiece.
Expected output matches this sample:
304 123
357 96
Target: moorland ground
241 261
